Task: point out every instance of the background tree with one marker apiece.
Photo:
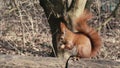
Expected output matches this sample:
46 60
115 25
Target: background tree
56 10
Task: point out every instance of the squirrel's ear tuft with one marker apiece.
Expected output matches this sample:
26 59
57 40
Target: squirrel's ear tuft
62 25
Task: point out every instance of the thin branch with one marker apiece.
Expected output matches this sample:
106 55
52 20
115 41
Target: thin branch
109 17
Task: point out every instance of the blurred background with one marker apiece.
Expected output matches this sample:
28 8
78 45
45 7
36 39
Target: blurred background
24 29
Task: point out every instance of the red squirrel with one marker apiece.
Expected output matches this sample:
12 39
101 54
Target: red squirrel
80 42
86 42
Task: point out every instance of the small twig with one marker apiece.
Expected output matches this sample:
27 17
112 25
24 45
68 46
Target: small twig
49 15
9 11
55 32
13 46
104 24
21 19
9 45
32 25
52 45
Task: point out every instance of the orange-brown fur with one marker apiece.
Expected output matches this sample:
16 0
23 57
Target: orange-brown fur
70 40
87 41
82 26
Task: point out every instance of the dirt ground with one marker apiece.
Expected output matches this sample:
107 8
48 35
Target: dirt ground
24 30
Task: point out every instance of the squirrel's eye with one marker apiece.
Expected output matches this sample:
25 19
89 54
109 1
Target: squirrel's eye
64 42
61 38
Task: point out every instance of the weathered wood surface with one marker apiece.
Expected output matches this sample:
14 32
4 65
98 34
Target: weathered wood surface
10 61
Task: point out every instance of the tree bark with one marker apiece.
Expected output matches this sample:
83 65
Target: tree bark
57 10
10 61
78 9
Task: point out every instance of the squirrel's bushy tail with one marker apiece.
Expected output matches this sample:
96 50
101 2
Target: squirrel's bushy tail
82 27
95 41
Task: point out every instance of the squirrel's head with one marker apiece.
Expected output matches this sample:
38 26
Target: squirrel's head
66 37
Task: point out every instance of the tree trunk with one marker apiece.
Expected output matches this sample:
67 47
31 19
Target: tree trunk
57 10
